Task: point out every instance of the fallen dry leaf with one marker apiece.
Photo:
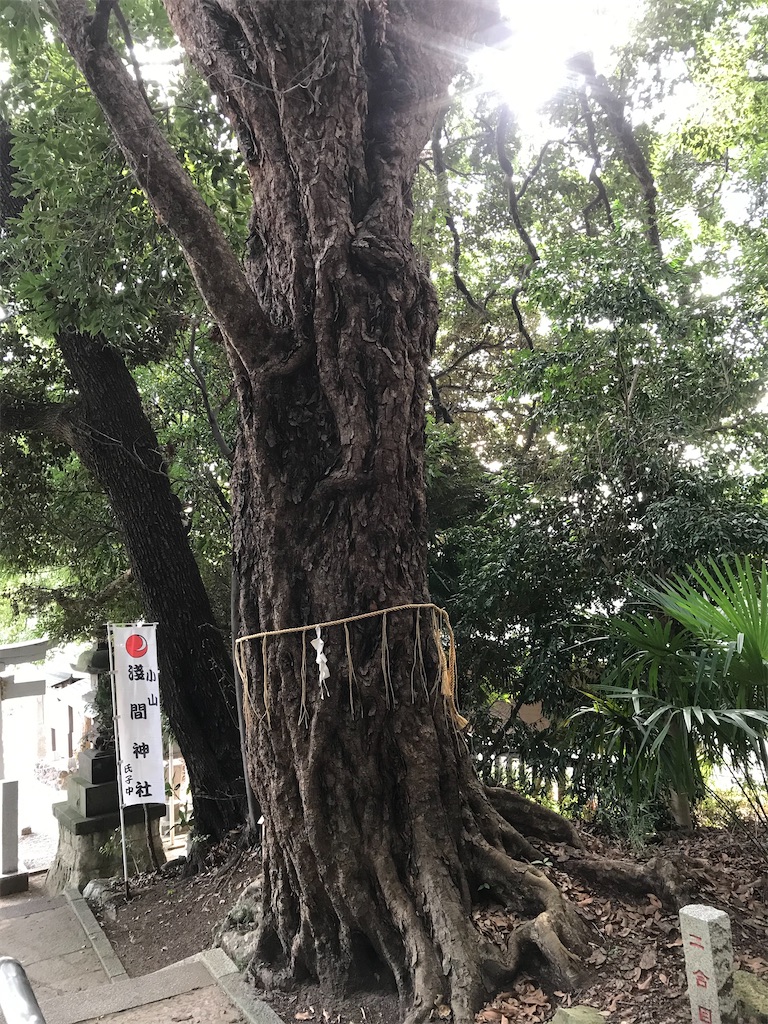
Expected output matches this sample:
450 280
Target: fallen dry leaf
648 960
536 998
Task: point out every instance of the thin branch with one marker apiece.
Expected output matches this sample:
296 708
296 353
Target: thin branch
123 23
506 165
213 420
633 385
220 496
534 170
519 314
483 345
442 186
530 430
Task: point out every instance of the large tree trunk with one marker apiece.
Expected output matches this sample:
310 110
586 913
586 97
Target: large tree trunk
114 440
377 831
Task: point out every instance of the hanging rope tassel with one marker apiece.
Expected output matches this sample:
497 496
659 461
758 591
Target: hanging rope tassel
265 665
304 714
448 672
386 667
248 713
350 669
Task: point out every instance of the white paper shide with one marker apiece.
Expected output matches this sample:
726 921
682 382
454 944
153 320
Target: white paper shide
137 696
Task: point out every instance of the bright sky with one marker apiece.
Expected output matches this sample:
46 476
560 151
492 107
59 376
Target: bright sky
531 66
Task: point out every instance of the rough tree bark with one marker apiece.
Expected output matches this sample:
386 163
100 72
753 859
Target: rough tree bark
108 429
378 832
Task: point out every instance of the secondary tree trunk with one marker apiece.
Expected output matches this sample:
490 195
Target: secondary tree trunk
378 832
115 441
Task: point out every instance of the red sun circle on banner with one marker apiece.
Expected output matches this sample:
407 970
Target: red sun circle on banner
136 645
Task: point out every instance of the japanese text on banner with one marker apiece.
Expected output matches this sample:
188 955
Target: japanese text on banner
138 714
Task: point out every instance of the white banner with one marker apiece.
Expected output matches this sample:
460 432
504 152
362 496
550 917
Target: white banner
139 733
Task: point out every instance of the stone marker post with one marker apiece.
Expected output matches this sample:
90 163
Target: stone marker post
11 879
708 964
9 827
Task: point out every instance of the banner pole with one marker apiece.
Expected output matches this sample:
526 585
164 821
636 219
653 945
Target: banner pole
119 757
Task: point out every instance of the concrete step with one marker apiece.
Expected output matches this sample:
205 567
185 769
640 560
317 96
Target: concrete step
78 979
216 990
125 994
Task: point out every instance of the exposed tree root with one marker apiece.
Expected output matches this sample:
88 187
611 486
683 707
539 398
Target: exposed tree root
531 818
658 875
415 924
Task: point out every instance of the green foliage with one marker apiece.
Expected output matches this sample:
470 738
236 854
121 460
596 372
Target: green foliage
686 690
88 253
613 388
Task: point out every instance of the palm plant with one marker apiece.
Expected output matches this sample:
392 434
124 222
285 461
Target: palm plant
689 684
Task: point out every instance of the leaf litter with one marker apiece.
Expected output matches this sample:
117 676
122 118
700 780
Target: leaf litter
635 964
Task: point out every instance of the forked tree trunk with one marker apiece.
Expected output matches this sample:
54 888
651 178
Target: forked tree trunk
378 832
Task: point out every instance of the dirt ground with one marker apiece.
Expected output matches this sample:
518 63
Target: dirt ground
634 966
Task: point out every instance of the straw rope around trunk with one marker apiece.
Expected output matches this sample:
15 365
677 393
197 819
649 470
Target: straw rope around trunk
440 626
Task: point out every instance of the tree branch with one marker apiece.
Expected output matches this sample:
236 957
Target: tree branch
177 203
442 415
223 502
594 175
483 345
506 165
444 197
113 589
622 131
197 369
534 170
513 199
22 415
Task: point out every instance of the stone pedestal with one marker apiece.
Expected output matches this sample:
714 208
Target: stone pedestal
89 828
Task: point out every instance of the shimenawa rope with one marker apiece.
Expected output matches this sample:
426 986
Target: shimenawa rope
446 663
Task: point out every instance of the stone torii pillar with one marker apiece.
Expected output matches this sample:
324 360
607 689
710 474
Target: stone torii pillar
11 879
